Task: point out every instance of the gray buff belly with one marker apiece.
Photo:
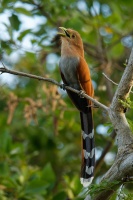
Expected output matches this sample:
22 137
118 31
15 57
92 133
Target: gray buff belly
68 67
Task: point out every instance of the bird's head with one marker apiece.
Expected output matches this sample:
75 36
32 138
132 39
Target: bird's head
71 38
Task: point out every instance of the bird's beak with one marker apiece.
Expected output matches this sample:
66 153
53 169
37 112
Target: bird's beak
64 33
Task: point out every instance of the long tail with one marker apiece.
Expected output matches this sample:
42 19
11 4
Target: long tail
88 151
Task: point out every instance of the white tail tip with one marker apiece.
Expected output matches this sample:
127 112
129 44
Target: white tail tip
86 182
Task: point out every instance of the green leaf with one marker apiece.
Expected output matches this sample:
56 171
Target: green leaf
36 187
23 11
108 124
5 142
4 169
110 129
48 173
61 195
15 22
23 34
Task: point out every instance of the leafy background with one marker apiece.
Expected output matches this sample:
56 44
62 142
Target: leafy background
39 127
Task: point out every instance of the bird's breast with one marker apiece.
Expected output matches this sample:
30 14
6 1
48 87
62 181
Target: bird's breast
68 67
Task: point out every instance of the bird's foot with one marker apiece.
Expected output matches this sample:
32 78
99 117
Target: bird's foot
81 92
62 86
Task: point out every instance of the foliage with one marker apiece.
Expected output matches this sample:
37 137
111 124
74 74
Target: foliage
127 103
40 129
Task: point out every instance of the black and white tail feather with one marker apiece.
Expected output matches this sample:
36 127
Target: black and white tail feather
88 154
88 148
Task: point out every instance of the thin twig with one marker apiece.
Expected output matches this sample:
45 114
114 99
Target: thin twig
112 81
109 79
5 70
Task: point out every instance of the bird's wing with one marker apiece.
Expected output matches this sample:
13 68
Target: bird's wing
84 77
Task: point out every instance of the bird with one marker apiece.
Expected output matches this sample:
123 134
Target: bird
75 73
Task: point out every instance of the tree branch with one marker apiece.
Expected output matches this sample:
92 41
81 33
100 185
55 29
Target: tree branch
40 78
116 111
122 167
123 164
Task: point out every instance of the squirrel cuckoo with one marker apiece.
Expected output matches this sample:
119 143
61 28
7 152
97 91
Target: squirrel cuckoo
76 74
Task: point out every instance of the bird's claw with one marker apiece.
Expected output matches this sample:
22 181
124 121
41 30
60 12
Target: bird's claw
81 92
62 86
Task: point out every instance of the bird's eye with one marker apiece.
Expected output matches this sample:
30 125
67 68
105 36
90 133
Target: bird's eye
73 36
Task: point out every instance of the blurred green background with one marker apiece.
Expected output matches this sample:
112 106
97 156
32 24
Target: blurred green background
40 147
